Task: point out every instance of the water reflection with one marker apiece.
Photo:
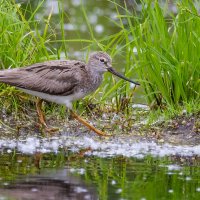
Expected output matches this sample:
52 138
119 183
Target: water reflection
48 184
67 175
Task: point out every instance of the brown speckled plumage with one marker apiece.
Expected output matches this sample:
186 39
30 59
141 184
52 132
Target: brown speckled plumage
60 77
61 82
51 77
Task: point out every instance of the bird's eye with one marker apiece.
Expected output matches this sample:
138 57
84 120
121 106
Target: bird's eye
102 60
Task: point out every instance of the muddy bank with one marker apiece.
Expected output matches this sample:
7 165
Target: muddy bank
182 130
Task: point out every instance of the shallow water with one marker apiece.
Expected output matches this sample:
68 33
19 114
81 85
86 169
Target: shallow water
76 167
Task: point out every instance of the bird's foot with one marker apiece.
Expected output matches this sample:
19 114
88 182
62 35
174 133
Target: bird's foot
46 129
51 130
91 127
99 132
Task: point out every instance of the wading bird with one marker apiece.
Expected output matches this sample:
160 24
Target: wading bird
62 81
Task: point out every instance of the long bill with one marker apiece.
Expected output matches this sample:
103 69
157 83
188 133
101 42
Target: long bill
111 70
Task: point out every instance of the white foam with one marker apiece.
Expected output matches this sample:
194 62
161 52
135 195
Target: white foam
99 147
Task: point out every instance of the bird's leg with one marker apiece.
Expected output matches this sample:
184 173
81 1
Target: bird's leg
42 117
40 113
84 122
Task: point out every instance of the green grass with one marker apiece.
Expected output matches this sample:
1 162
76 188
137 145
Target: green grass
168 48
21 44
169 55
158 47
163 48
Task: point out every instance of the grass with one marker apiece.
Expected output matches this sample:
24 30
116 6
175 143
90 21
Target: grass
165 52
162 48
21 44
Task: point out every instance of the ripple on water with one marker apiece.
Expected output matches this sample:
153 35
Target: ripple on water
99 147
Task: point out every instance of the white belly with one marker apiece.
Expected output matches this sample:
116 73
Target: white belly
65 100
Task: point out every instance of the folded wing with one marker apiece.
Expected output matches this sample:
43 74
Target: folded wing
51 77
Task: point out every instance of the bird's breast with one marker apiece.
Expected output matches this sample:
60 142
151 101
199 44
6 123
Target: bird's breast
91 84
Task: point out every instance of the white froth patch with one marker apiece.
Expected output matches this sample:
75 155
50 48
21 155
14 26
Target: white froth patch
101 148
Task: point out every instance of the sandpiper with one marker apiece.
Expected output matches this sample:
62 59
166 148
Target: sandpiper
62 81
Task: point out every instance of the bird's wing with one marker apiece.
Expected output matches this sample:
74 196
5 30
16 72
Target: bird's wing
51 77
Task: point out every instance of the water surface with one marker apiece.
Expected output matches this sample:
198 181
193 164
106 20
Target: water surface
76 167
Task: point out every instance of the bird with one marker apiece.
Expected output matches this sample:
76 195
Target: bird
62 82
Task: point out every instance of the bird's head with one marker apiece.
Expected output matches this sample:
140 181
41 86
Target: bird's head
102 62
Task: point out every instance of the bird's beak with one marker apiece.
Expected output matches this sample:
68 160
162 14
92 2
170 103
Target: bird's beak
113 71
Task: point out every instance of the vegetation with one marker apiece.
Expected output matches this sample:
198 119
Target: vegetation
161 47
167 56
20 45
164 49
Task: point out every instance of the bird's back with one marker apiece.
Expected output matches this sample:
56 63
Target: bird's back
51 77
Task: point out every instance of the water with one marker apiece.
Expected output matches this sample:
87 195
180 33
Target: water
87 167
75 26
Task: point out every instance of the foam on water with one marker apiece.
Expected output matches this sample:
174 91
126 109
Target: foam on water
99 147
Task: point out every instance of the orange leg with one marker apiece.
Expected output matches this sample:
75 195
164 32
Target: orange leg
84 122
42 117
40 113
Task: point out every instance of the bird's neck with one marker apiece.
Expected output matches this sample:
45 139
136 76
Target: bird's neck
95 76
94 69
